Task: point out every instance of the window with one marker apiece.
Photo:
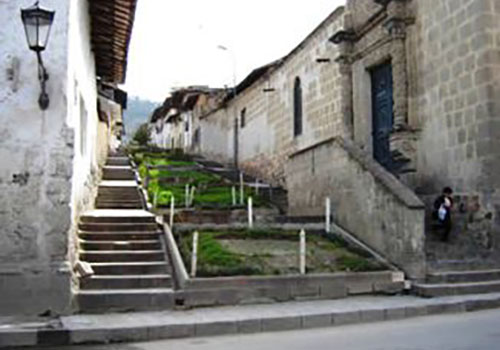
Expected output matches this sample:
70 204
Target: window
196 136
297 108
242 117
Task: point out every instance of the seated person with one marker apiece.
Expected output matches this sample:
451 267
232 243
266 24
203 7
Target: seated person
442 211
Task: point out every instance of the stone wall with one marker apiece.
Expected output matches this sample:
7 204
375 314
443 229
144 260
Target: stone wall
366 200
446 68
455 96
267 137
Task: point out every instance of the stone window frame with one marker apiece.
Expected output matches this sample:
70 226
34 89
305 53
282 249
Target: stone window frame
368 62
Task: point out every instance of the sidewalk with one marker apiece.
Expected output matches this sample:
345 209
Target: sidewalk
144 326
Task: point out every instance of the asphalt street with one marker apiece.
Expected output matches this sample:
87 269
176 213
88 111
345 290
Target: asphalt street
464 331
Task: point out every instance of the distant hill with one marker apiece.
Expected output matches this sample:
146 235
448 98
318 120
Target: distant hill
137 112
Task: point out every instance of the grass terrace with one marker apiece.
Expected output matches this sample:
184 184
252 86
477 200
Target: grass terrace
270 252
168 174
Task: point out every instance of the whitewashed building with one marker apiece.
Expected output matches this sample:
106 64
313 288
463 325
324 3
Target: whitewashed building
51 158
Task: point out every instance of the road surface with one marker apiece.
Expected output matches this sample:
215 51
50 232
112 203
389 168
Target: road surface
464 331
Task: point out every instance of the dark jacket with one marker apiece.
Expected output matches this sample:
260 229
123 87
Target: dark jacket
437 204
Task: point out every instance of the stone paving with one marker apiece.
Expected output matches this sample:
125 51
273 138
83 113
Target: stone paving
144 326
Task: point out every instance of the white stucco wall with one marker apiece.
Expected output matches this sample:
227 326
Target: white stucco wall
82 107
217 136
161 134
45 172
36 149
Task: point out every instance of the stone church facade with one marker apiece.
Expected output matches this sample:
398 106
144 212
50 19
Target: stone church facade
380 107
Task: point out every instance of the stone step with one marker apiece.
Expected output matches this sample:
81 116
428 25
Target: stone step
118 227
119 205
118 161
114 199
101 300
117 189
131 268
118 173
126 194
463 276
448 289
118 176
117 167
118 236
119 196
120 245
121 255
126 282
121 216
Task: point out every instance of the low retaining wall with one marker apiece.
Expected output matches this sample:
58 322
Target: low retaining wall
366 200
261 289
197 292
214 216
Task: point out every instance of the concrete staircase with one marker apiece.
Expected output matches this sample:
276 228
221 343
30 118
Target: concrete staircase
448 283
125 247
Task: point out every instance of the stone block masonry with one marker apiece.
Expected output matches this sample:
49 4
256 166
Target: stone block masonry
267 137
455 104
366 200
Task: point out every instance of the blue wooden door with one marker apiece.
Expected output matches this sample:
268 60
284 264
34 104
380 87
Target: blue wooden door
382 111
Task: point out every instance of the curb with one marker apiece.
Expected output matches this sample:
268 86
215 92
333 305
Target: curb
137 327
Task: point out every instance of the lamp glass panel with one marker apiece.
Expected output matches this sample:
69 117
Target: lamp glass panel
37 24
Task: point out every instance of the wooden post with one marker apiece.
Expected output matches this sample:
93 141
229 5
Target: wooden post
194 254
250 212
242 194
328 214
172 211
186 196
233 194
302 252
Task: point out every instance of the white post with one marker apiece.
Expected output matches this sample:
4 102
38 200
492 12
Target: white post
172 209
155 199
242 196
250 212
328 214
186 196
194 254
302 252
256 187
191 196
233 194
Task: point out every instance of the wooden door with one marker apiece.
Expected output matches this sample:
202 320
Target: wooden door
382 111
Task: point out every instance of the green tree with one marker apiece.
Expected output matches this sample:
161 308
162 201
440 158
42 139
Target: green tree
142 135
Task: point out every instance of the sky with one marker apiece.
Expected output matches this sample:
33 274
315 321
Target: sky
213 42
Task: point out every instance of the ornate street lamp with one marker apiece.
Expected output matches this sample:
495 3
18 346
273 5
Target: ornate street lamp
37 23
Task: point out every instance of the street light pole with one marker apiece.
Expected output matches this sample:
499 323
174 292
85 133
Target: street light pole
233 60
